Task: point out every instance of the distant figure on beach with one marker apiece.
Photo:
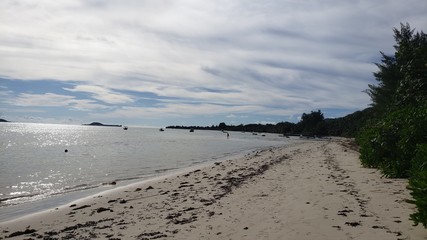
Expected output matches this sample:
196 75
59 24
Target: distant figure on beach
228 135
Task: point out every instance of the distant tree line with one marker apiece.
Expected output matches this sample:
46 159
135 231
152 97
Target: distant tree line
311 124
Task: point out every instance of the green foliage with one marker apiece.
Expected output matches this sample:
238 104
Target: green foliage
369 144
418 185
285 127
312 123
402 78
411 57
350 125
390 143
396 142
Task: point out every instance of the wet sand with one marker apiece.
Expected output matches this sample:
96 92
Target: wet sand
306 190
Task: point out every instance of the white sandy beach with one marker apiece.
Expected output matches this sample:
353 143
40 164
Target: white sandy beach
307 190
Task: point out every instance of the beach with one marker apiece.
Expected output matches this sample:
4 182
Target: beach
304 190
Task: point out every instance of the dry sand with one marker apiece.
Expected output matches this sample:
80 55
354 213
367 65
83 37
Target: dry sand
307 190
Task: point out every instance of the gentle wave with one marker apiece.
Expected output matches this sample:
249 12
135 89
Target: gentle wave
98 157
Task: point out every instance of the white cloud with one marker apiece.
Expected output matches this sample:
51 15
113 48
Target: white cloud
171 110
272 57
86 105
4 93
41 100
102 94
54 100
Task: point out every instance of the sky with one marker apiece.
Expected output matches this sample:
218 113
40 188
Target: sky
192 62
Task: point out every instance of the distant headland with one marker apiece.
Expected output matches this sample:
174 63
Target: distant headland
101 124
3 120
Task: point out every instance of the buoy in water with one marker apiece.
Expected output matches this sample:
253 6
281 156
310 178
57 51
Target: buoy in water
66 150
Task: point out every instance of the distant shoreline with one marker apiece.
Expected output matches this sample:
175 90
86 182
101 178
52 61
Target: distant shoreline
101 124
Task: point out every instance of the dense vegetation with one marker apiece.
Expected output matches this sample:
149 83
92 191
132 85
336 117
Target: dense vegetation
395 140
418 184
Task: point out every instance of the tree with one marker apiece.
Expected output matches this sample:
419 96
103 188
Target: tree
311 123
402 78
388 76
284 127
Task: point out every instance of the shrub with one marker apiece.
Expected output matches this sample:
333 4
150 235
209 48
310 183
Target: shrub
390 143
418 185
368 141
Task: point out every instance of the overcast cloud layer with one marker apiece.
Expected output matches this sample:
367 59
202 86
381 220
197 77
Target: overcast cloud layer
192 62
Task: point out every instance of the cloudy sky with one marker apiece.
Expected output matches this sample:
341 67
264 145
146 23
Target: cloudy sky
161 62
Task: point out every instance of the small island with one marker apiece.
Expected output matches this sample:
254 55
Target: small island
101 124
3 120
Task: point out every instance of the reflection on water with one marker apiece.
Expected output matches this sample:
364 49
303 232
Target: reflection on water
35 165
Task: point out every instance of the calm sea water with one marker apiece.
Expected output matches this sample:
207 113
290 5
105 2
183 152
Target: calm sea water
34 166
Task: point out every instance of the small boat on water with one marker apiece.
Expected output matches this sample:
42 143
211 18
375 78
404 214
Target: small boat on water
161 130
125 128
192 130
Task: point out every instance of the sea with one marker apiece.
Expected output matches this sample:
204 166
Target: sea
43 166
